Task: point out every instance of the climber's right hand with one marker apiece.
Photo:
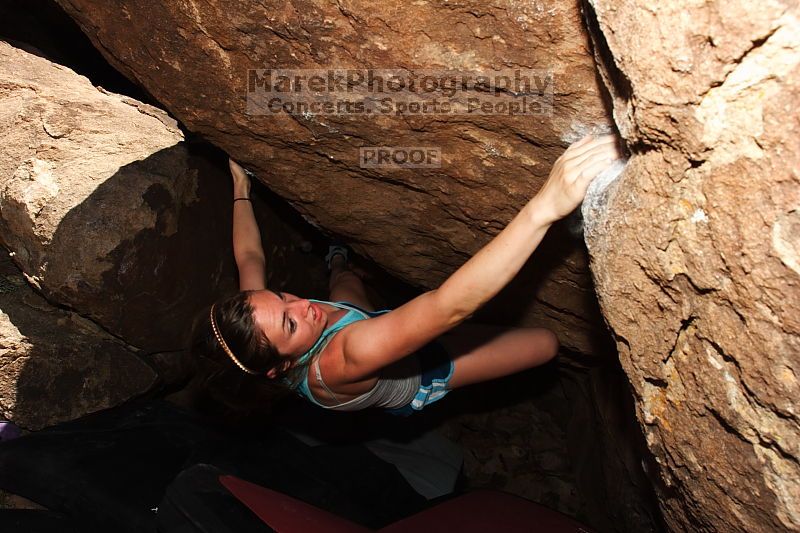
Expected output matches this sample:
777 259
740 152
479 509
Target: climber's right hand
572 173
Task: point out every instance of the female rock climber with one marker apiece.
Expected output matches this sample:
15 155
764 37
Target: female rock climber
342 355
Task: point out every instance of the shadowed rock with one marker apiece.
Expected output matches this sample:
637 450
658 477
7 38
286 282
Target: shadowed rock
56 365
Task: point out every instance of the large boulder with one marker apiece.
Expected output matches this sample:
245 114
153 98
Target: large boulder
420 224
696 251
89 182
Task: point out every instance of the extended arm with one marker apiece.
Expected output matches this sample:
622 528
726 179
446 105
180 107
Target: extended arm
372 344
247 248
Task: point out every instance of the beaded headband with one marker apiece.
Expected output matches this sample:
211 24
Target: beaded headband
222 343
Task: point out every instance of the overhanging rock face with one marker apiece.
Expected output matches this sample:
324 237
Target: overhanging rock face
194 56
696 254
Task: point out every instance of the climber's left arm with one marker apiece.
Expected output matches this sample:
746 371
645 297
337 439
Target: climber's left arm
247 248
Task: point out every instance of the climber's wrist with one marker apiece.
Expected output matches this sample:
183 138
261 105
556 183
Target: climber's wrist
241 190
539 213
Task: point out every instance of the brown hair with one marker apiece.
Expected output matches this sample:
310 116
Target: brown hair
219 386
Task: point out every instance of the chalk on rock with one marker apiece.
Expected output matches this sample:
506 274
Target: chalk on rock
598 194
581 222
578 131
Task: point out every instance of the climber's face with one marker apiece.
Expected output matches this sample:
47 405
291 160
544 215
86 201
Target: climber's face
292 324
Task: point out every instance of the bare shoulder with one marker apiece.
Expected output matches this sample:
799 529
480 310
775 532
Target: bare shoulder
333 368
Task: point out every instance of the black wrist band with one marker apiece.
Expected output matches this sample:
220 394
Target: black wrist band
248 199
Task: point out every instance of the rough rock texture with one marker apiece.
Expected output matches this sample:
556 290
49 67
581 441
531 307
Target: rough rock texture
84 177
193 57
696 255
54 364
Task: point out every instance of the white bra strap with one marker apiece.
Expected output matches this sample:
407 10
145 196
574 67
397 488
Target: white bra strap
317 372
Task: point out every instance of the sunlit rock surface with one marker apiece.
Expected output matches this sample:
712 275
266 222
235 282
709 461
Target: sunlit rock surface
696 256
88 182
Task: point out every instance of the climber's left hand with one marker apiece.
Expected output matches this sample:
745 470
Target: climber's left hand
241 181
